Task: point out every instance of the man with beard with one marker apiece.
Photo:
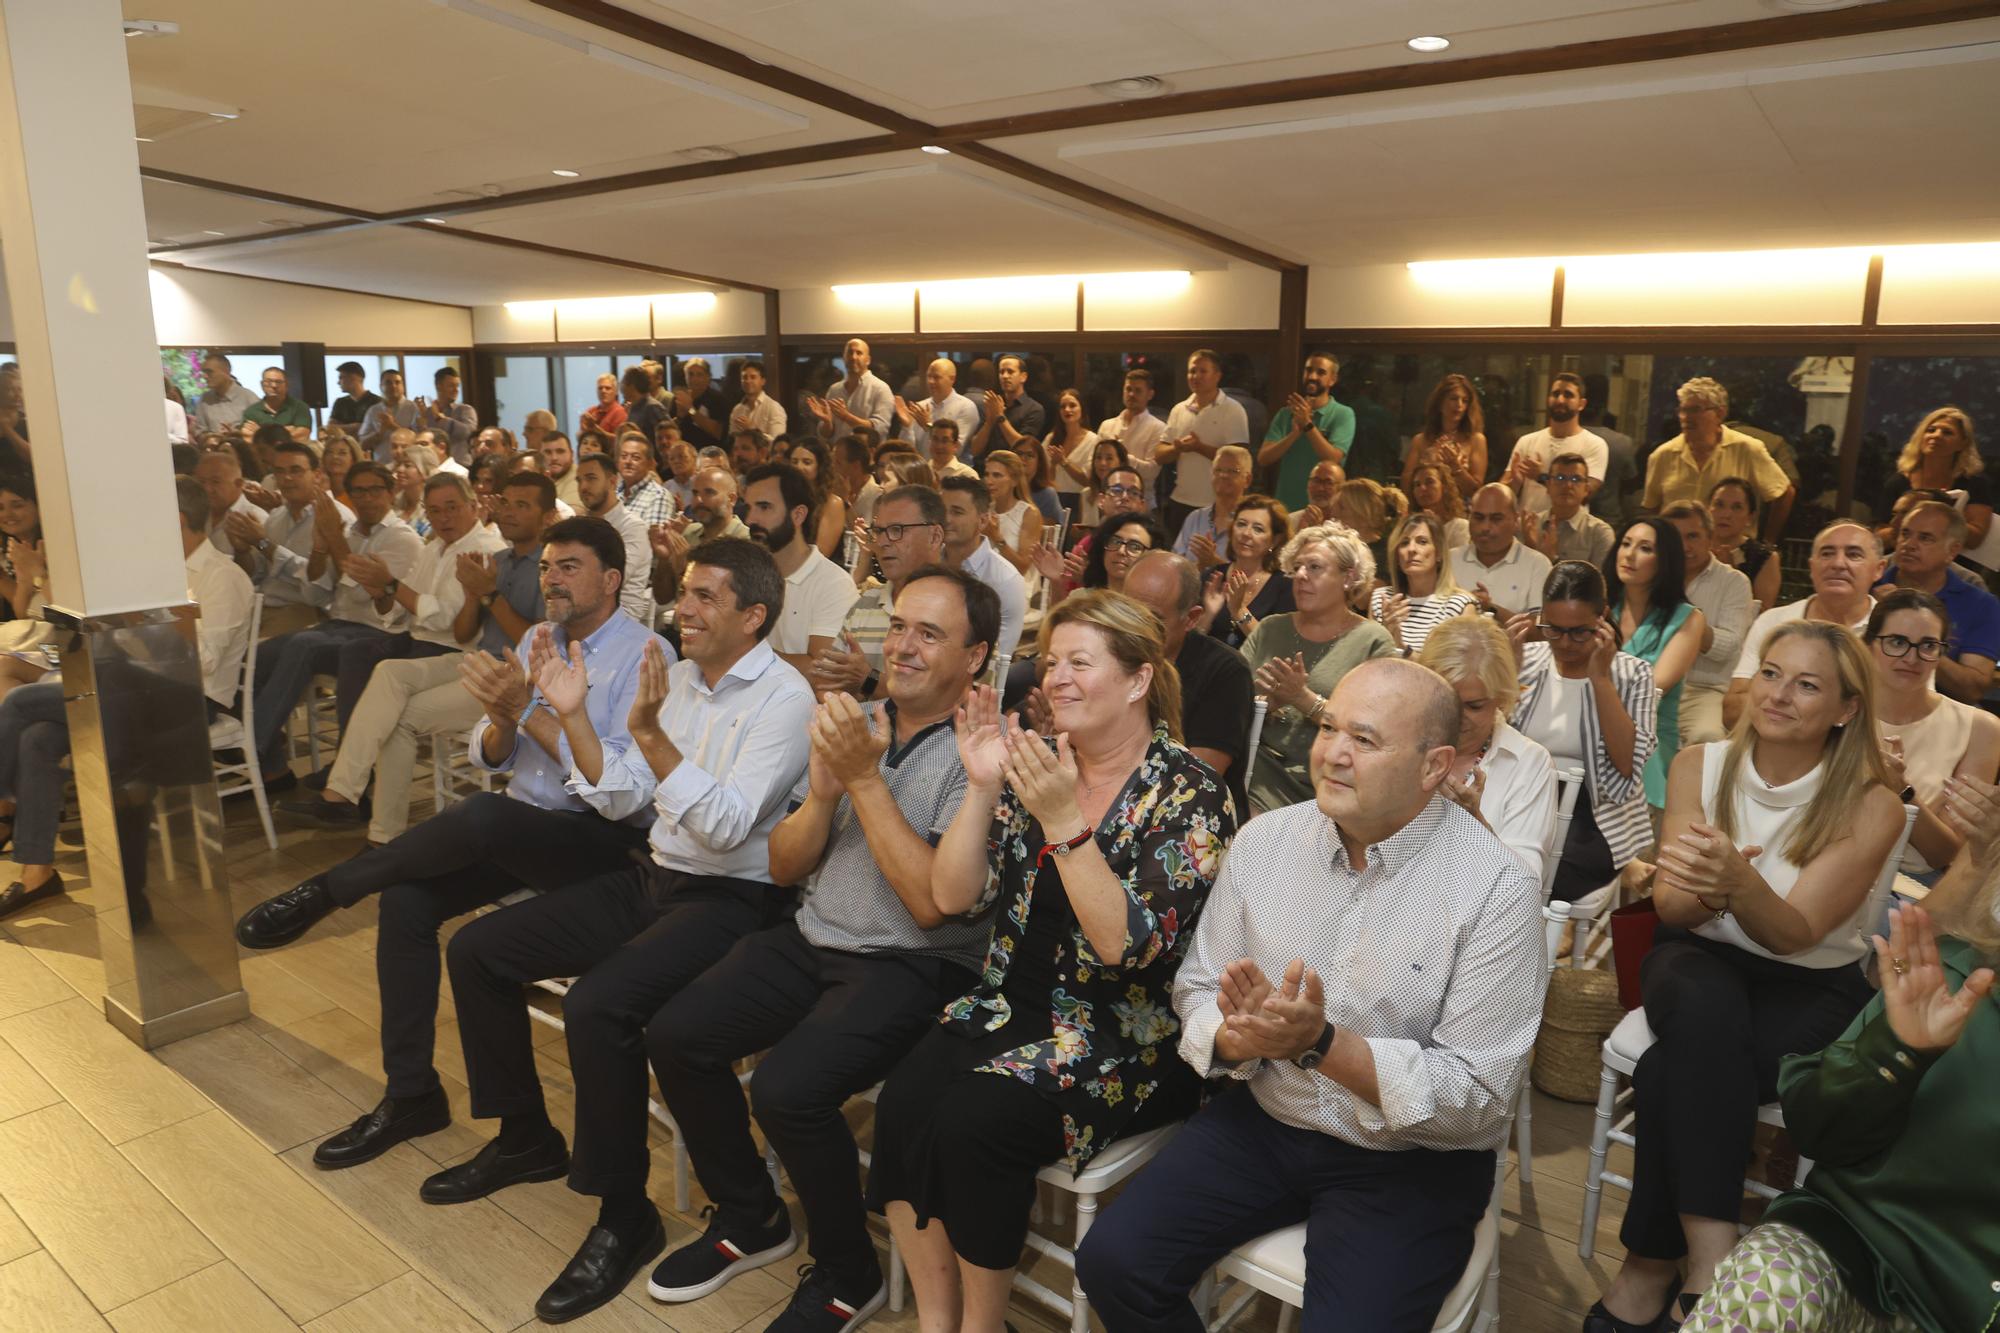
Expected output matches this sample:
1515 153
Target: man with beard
1323 484
559 466
906 533
1565 435
817 591
538 835
412 698
710 513
1309 429
860 399
597 488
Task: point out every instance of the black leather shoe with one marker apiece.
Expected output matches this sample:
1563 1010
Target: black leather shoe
318 812
392 1121
600 1270
282 919
492 1170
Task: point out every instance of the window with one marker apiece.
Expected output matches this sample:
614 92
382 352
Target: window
420 374
521 384
371 368
1902 391
579 389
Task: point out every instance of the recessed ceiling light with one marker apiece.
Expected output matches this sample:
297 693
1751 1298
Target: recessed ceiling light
215 233
1138 85
933 148
1428 43
435 222
713 152
143 139
559 171
1810 6
225 115
151 28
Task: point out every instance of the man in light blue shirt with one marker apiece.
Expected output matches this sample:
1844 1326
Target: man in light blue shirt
717 744
539 835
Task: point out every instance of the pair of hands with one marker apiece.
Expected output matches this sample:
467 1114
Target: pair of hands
668 539
1054 565
1522 630
841 668
1265 1022
1923 1011
1282 680
995 748
477 574
917 413
826 409
30 560
1201 548
504 689
847 746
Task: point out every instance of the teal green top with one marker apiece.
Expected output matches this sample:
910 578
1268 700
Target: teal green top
291 412
1335 421
1648 642
1904 1192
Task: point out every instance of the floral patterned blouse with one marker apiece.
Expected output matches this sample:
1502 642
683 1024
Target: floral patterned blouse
1111 1025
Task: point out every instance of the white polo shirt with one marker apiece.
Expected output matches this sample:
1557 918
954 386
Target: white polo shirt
1542 447
1221 422
817 596
1515 583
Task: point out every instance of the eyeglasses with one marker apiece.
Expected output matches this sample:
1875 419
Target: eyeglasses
1897 645
1124 492
1127 545
377 489
1574 633
893 532
1573 478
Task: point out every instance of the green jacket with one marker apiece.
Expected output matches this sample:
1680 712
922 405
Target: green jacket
1905 1187
291 412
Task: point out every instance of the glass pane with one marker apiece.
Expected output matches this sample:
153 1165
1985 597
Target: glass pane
520 386
371 369
420 374
579 389
1902 391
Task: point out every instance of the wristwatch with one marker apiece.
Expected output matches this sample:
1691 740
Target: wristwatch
390 588
486 599
1309 1058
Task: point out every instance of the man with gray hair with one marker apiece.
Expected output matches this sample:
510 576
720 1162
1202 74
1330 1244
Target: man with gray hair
1932 535
1372 1103
1706 451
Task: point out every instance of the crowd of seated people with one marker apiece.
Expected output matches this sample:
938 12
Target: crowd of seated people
774 799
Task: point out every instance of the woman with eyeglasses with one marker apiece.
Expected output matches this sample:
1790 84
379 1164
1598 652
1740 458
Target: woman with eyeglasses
1422 592
1591 707
1117 546
1241 593
1106 457
1298 657
1928 739
1773 839
1647 590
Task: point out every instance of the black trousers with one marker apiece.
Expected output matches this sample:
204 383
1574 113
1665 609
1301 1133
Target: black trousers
834 1025
632 938
1584 862
1387 1233
468 855
1724 1017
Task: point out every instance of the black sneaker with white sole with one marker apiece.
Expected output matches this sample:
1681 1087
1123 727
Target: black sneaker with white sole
830 1302
703 1267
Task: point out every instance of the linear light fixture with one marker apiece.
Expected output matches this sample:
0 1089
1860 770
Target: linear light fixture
1027 290
665 303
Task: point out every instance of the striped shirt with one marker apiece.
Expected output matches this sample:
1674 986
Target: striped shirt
849 904
1431 954
1617 800
1424 615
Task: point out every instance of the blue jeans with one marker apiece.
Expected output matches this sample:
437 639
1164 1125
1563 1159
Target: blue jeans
34 737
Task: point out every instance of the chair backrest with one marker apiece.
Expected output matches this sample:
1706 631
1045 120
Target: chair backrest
1257 711
1001 662
1569 785
250 666
1875 912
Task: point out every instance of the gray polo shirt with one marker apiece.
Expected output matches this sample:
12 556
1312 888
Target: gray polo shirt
849 905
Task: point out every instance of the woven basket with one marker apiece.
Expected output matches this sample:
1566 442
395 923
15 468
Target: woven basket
1581 1010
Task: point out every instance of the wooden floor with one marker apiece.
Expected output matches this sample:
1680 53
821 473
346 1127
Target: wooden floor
175 1190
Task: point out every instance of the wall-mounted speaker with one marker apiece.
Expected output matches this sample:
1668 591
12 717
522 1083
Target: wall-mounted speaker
305 367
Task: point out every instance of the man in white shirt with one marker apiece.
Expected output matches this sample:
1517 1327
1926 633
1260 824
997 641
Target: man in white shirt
220 473
718 742
221 407
224 594
279 547
1136 427
1722 595
1368 972
817 591
1565 433
757 410
860 399
1846 562
946 403
597 487
434 441
1506 575
1205 421
374 530
943 441
393 413
967 502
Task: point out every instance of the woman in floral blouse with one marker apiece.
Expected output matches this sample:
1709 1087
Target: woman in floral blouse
1068 1041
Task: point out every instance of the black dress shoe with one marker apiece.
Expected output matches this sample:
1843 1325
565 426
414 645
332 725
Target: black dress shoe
282 919
493 1170
600 1270
318 812
316 780
18 895
392 1121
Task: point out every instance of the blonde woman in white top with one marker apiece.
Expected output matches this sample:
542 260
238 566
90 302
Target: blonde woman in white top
1927 738
1772 841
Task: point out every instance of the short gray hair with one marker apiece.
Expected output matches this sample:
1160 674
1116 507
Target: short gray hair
1701 391
1344 545
442 480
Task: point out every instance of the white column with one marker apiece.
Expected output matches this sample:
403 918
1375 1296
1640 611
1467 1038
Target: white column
73 232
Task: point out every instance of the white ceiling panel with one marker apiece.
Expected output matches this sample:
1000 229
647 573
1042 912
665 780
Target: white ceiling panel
895 218
390 104
183 213
926 59
400 261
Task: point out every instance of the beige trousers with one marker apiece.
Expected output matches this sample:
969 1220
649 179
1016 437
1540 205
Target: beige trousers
406 700
1701 713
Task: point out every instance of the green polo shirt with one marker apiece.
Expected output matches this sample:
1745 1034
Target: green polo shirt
1335 421
291 412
